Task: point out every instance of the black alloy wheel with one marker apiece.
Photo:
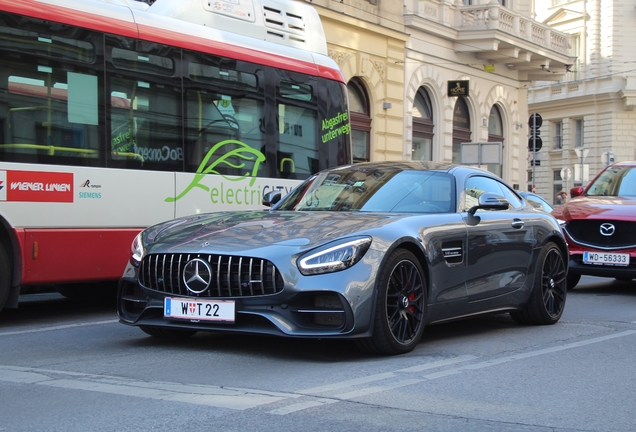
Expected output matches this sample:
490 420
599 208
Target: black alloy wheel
547 300
403 304
554 283
400 306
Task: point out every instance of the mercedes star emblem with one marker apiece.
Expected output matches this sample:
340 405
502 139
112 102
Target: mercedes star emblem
197 275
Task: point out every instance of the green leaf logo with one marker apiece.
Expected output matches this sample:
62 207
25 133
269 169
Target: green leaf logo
236 158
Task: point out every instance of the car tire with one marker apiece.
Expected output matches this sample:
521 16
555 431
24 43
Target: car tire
572 280
167 333
547 299
5 276
400 309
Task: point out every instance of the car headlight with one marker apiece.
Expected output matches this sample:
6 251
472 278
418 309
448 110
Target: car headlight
334 257
138 251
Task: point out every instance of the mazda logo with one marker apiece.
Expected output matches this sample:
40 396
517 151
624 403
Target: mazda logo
197 275
607 229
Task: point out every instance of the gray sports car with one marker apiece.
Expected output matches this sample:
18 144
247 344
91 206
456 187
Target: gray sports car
371 251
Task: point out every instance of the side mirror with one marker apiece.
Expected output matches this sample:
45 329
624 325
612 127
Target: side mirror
490 201
576 191
271 198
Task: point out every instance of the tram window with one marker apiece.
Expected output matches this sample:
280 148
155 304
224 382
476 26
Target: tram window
224 134
49 92
50 112
145 120
300 92
145 111
224 115
225 77
142 63
40 40
298 153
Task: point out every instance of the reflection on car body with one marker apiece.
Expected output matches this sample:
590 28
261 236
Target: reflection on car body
600 225
371 251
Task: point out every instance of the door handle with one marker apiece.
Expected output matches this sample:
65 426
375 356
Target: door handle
517 223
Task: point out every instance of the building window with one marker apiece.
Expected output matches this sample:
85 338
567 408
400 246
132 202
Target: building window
360 121
422 146
575 69
495 134
578 133
558 135
461 128
495 125
467 2
529 181
557 186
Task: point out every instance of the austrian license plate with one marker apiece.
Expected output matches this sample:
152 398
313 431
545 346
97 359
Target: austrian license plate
204 310
614 259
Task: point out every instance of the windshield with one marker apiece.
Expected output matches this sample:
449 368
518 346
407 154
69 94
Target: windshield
378 190
615 181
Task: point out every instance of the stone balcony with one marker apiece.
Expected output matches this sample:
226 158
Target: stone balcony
495 35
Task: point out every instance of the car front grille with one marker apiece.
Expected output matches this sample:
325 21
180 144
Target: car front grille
588 232
228 276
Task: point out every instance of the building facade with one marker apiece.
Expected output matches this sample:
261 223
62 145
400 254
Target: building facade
367 40
400 57
588 117
500 51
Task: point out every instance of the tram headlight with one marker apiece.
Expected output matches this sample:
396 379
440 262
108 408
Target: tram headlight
137 250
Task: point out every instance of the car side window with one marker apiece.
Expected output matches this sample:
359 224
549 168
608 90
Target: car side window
538 203
510 195
477 185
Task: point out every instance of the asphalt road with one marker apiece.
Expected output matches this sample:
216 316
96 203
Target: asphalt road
70 366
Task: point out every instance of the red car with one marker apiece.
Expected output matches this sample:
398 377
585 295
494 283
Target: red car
599 224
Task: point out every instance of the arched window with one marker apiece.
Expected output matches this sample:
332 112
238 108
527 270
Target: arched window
495 125
495 134
461 128
360 121
422 146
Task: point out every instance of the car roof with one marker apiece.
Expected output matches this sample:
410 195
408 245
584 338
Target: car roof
625 163
417 165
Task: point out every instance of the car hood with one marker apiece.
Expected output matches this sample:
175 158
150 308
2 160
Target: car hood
615 208
235 232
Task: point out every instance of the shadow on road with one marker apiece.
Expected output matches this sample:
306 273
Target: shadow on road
315 350
51 308
604 287
47 306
